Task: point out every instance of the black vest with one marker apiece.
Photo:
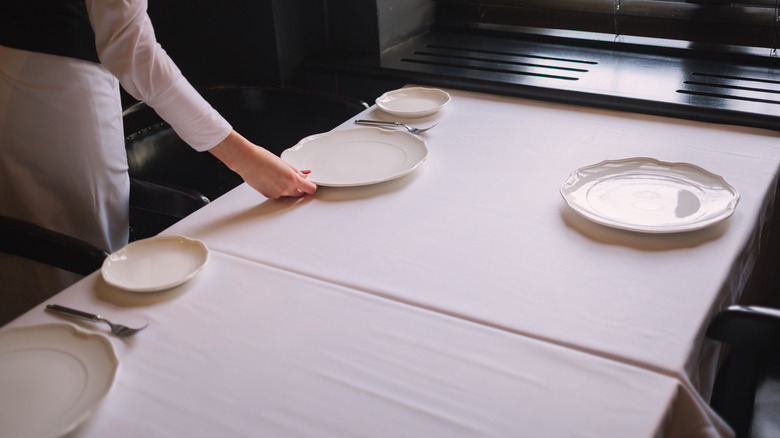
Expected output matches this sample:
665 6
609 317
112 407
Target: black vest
56 27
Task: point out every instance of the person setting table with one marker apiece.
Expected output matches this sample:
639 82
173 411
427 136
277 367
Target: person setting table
63 164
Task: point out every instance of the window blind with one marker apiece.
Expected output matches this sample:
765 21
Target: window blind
753 23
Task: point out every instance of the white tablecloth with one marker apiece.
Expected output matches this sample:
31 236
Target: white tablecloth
481 232
246 350
463 299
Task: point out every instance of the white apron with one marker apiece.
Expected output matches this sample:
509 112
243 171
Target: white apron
62 161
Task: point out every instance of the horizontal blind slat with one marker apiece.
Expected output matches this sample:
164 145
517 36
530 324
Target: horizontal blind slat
744 23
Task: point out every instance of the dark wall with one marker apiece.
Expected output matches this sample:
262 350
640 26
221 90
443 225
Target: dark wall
374 26
266 42
353 25
225 41
301 29
400 20
358 33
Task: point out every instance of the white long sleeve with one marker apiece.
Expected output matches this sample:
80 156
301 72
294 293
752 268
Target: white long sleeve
128 48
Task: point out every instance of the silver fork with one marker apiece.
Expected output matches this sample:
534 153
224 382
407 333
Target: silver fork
411 129
119 330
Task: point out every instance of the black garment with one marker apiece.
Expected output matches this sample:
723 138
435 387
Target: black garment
56 27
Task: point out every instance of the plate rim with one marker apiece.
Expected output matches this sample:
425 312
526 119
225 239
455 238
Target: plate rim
193 243
590 214
112 359
413 114
421 143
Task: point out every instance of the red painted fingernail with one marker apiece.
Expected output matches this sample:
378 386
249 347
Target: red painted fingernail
305 172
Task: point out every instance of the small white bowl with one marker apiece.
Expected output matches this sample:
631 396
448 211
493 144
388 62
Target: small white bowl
156 263
413 101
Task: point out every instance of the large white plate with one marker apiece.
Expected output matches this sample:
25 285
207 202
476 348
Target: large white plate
360 156
647 195
52 378
156 263
413 101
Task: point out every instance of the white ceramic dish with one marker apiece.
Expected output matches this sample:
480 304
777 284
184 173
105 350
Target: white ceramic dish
52 378
647 195
155 264
355 157
413 101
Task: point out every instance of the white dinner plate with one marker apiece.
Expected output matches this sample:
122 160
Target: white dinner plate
355 157
52 378
413 101
156 263
647 195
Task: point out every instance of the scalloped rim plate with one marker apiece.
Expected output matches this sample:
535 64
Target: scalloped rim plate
650 196
54 376
413 101
155 264
356 157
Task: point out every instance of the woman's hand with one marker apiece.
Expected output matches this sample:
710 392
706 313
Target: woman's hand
262 170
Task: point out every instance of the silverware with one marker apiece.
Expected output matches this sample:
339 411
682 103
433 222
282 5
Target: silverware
119 330
411 129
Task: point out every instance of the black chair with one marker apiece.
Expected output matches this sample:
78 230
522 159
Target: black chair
155 207
23 239
272 117
158 155
36 243
33 242
747 389
56 249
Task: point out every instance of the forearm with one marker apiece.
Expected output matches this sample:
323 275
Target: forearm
262 170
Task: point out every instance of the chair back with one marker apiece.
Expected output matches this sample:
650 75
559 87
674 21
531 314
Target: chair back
272 117
36 243
747 388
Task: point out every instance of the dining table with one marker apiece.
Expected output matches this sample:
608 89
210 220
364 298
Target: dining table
465 297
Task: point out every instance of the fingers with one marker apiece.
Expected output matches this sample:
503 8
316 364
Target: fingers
302 186
296 186
263 171
308 188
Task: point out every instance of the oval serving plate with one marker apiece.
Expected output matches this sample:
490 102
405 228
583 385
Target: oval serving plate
155 264
413 101
650 196
359 156
54 376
